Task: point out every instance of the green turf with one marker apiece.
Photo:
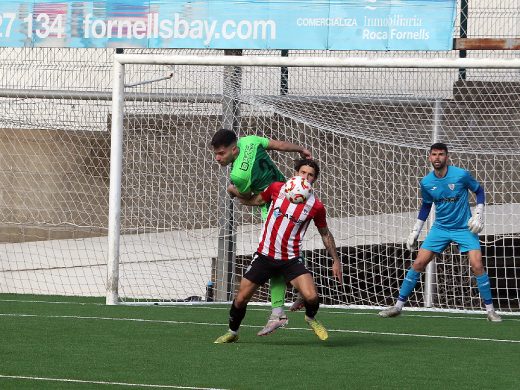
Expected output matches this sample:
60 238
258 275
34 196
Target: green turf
175 347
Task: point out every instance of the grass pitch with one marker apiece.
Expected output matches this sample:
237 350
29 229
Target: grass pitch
79 343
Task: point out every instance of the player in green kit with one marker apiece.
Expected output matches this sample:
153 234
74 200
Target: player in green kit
252 172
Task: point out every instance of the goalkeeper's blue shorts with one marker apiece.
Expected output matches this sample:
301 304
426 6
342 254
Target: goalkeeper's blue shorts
438 239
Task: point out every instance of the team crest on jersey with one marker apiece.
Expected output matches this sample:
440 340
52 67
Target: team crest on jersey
451 186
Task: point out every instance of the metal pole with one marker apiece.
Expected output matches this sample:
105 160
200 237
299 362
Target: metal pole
464 8
116 166
430 272
225 267
284 76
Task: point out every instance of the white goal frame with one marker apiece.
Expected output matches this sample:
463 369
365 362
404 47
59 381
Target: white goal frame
118 98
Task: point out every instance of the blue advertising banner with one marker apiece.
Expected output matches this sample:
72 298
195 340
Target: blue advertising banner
230 24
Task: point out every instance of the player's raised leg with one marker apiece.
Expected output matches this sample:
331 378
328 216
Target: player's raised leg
278 318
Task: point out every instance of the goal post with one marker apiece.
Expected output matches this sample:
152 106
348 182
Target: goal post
116 167
369 123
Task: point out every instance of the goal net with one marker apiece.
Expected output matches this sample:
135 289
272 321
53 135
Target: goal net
174 230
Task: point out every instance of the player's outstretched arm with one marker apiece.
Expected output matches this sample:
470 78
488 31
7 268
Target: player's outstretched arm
330 245
234 193
255 200
284 146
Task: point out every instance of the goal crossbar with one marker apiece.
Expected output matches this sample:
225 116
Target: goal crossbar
320 62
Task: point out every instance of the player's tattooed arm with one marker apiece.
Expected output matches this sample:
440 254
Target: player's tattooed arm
330 245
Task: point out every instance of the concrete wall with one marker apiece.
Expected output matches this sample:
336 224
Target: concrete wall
53 184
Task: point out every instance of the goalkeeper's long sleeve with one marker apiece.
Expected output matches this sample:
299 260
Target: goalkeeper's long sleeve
424 212
481 195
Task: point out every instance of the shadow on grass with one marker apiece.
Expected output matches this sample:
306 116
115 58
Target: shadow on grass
335 340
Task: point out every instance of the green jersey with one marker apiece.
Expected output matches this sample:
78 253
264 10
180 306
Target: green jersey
253 170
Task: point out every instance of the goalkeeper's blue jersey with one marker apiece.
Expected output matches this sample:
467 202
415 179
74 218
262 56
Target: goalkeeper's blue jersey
450 196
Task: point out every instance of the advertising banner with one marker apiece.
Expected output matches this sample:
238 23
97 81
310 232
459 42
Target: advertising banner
230 24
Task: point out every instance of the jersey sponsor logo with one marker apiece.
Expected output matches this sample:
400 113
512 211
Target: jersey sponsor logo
278 213
249 153
434 188
453 199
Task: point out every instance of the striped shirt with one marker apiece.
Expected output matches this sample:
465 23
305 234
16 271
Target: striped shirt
282 233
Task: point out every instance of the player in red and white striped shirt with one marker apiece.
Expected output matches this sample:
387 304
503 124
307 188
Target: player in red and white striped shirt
279 252
281 238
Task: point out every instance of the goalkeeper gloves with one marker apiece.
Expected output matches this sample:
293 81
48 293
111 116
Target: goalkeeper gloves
476 223
411 241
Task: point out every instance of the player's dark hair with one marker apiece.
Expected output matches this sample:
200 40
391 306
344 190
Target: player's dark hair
310 163
439 146
223 137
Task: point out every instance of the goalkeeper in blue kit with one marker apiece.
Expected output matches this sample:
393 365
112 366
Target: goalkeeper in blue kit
447 187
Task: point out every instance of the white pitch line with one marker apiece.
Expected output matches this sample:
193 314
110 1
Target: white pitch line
53 302
38 378
253 326
424 315
417 335
408 312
